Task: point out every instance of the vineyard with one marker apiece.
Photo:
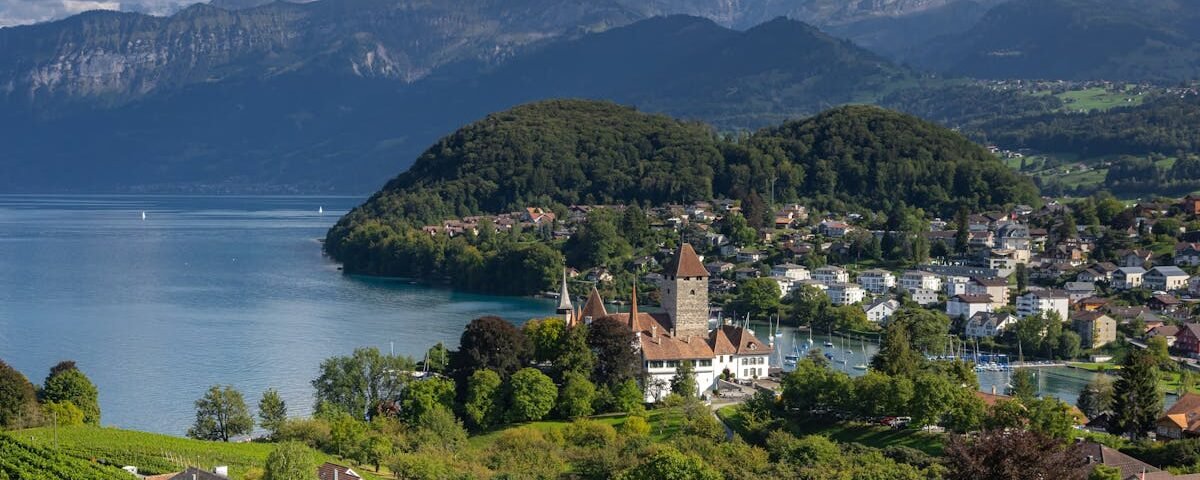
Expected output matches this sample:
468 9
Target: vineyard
19 461
151 453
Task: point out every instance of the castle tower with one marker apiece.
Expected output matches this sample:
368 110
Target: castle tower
593 309
564 301
684 293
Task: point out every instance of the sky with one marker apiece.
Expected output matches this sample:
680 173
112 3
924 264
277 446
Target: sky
21 12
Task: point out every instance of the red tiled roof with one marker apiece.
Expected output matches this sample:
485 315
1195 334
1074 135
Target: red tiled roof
1185 413
594 307
666 347
732 340
686 263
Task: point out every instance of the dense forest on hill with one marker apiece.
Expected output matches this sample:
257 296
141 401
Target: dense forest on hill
562 152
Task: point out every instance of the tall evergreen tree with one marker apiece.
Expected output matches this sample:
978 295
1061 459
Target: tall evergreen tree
1024 386
1137 401
962 233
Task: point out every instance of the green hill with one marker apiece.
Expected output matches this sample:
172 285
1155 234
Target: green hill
564 152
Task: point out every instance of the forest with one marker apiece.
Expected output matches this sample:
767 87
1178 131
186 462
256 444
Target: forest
558 153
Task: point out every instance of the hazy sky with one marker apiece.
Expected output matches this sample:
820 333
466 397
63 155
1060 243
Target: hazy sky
19 12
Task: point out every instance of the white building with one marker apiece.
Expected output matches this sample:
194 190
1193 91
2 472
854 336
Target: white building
955 285
1126 278
881 310
1187 254
877 280
967 305
988 324
914 279
1165 278
924 296
1044 301
845 293
786 285
790 270
831 274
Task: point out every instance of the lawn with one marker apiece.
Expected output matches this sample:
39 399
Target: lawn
853 432
151 453
1098 99
1094 366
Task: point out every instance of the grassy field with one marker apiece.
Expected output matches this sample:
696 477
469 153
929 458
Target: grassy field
151 453
664 424
1099 99
850 432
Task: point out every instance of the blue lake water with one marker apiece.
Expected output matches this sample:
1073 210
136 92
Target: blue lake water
205 290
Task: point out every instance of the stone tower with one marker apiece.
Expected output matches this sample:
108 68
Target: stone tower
684 294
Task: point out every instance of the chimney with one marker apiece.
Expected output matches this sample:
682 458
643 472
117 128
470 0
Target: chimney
653 331
993 389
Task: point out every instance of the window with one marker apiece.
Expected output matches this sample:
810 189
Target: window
704 363
693 292
655 364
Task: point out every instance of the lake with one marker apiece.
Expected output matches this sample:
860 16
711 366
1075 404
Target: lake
204 291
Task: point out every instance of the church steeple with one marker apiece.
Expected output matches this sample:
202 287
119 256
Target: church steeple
633 310
564 300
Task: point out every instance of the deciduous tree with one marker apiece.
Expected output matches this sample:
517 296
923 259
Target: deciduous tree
484 399
220 415
1012 455
533 395
66 383
291 461
576 396
361 383
272 411
616 359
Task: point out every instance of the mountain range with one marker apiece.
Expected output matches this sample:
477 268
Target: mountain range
335 95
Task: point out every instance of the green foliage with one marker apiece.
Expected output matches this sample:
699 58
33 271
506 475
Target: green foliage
628 397
291 461
63 414
525 453
1096 397
1137 400
221 414
684 381
547 336
635 427
1012 454
20 461
66 383
670 464
597 242
759 297
272 411
439 431
483 403
879 394
491 343
616 359
360 383
532 395
1105 472
1024 387
421 396
18 399
896 356
576 396
1051 417
575 355
437 358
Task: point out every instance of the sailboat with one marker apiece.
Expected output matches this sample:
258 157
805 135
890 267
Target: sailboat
862 366
845 358
829 343
320 210
143 214
810 335
778 327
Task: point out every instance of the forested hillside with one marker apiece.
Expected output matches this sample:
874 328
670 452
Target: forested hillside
564 152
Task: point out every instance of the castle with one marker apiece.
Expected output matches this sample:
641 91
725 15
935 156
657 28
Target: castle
681 332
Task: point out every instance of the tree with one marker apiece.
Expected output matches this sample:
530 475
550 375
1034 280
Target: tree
63 414
361 383
421 396
628 397
878 394
221 414
932 397
809 305
1105 472
1051 417
1187 382
612 344
491 343
1069 344
575 355
1024 387
1006 414
670 464
1137 401
66 383
759 297
1096 398
597 242
18 398
346 436
1012 455
896 356
635 227
483 403
439 431
576 396
546 335
1022 274
437 358
291 461
1157 346
533 395
272 411
684 381
962 232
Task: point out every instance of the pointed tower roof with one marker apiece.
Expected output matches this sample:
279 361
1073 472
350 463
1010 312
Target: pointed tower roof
594 307
633 311
564 296
686 263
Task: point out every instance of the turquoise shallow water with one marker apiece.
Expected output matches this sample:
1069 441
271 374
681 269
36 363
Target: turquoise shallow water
206 290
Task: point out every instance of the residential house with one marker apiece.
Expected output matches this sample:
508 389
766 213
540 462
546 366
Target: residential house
717 268
994 287
1091 304
967 305
193 473
831 274
988 324
1095 329
790 270
1099 272
831 228
1135 258
914 279
1187 254
881 310
1165 278
1044 301
798 284
982 240
845 293
786 285
1013 236
1079 290
924 296
1164 303
748 255
1191 204
746 273
1128 278
877 280
955 285
1167 332
1128 468
1194 285
1066 254
1187 340
1181 420
330 471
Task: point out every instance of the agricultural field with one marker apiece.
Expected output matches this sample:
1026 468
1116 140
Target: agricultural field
22 461
151 453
